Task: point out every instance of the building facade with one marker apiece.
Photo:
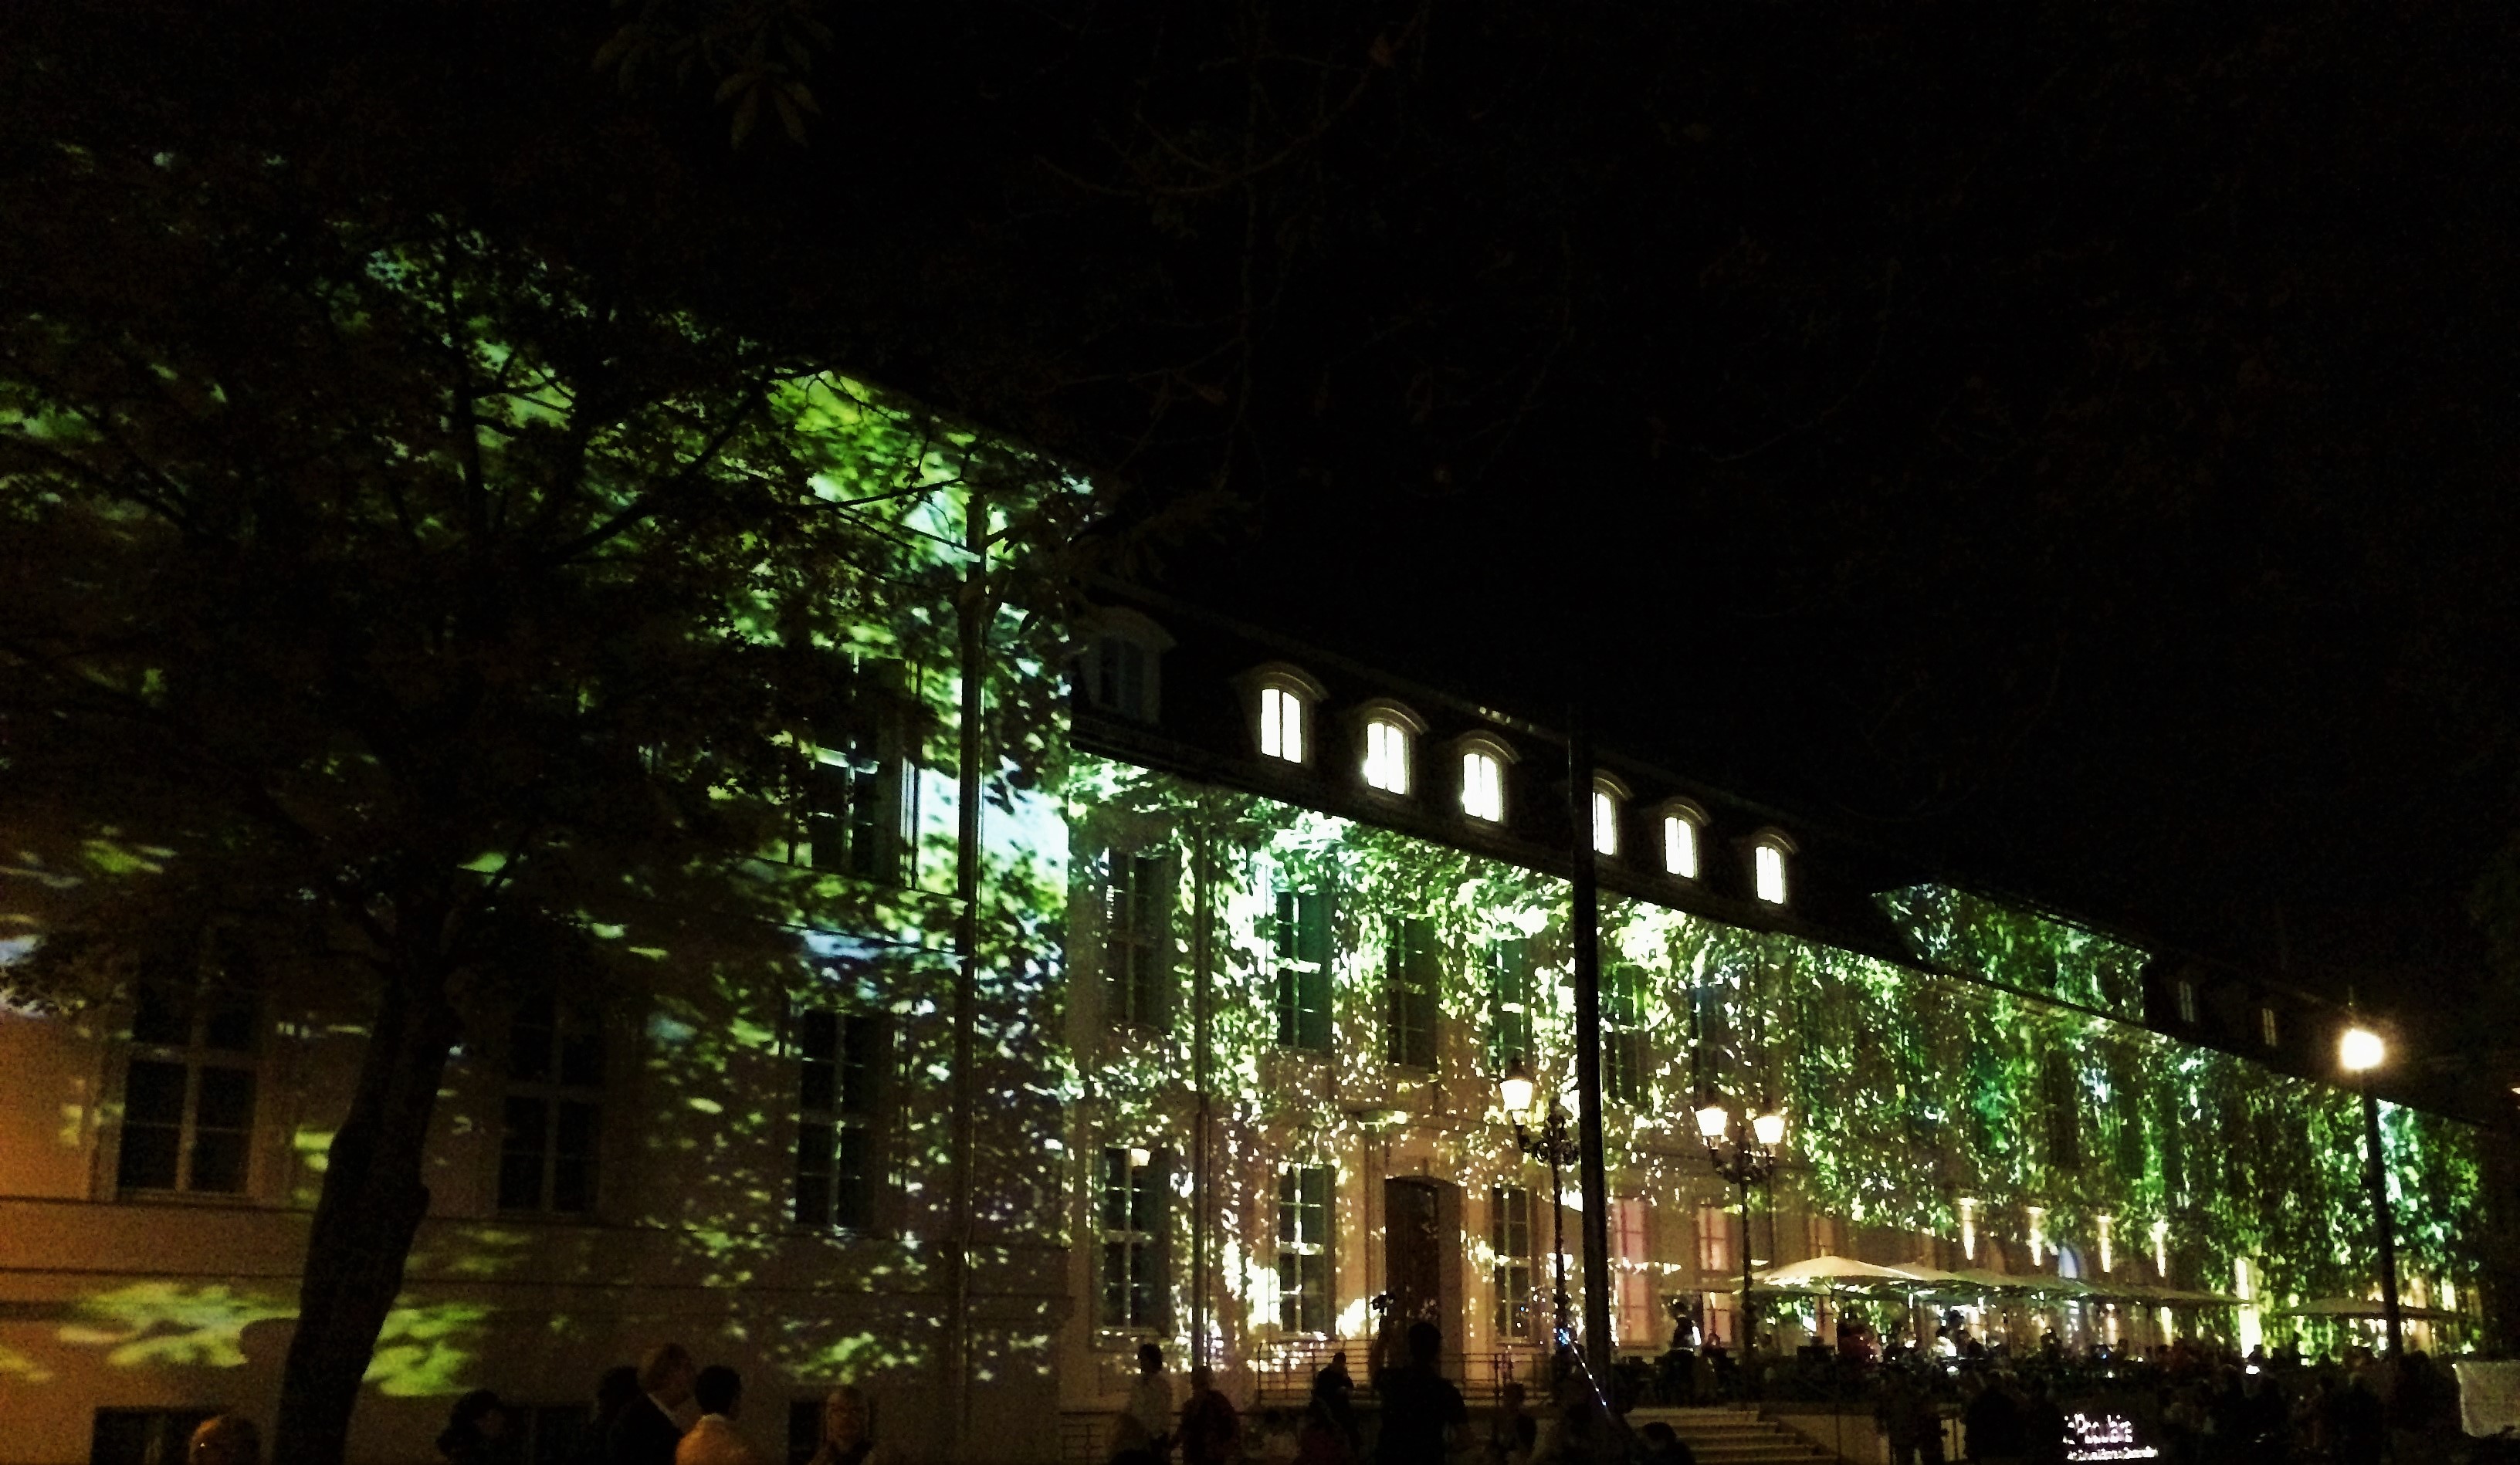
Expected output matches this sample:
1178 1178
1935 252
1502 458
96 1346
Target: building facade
1258 933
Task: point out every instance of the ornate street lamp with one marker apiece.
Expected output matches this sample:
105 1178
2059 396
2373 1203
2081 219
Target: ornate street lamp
1554 1142
2359 1050
1746 1159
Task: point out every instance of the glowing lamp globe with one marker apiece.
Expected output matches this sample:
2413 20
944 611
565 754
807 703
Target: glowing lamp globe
1769 1128
2358 1049
1712 1121
1513 1090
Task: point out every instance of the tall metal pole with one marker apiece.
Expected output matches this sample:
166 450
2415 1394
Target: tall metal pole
1592 1168
971 623
2376 1171
1201 962
1749 1329
1556 1136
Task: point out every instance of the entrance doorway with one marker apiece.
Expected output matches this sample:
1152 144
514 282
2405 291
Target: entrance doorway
1422 1254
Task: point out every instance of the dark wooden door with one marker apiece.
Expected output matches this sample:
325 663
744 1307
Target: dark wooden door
1414 1250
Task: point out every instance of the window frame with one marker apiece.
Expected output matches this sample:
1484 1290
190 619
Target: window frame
204 1002
1297 692
556 1095
1300 945
1627 1053
1310 1259
847 1208
1406 729
867 747
1142 1244
1412 990
1133 996
1681 815
1610 806
1773 845
1119 626
1512 983
1517 1298
1502 757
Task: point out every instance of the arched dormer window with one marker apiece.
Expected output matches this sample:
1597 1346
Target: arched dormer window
1771 851
1391 733
1282 700
1681 827
1121 671
1610 797
1483 761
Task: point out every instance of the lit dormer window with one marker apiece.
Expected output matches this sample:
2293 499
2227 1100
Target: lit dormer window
1390 746
1283 706
1682 824
2268 1030
1121 669
2186 995
1768 855
1483 764
1608 796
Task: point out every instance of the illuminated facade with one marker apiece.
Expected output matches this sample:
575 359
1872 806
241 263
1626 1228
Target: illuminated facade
1256 944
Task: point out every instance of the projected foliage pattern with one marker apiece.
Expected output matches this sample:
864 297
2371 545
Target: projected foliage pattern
1909 1087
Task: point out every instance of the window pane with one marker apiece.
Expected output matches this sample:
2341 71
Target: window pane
161 1013
813 1174
1679 847
218 1162
530 1043
226 1099
154 1094
861 1047
581 1056
1606 823
520 1155
149 1155
1770 864
1115 1284
853 1186
227 1025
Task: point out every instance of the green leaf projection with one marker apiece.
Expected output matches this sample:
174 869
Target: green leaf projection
2001 1067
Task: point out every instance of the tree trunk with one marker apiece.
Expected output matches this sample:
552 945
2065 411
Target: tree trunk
365 1219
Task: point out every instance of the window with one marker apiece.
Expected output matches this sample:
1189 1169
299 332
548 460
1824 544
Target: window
1634 1321
1137 937
1680 823
1624 1051
1299 948
1132 1222
1281 724
1121 671
1768 866
2064 1112
2186 996
1483 786
144 1437
1412 980
1509 1236
1509 1002
1715 1241
1819 1235
1608 794
1386 753
841 1059
554 1111
1304 1249
857 805
188 1096
2268 1031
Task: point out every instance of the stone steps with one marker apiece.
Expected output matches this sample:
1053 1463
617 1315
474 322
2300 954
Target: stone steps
1726 1436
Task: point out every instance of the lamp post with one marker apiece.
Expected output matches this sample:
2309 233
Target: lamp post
1554 1142
2359 1050
1746 1159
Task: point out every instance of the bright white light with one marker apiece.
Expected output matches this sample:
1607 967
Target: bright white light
1679 847
1769 1128
1282 724
1606 823
2360 1051
1387 756
1140 1157
1771 868
1482 786
1712 1121
1514 1090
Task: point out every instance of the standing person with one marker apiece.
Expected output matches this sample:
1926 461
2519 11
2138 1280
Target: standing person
477 1430
848 1430
1151 1402
617 1390
225 1440
1422 1413
650 1427
1512 1434
712 1439
1210 1430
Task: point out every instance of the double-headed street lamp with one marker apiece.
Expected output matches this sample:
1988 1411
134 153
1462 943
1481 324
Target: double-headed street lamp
2359 1050
1746 1157
1554 1142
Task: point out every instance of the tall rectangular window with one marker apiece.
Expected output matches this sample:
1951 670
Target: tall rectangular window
1387 756
1509 1002
1679 847
1132 1215
1606 823
1638 1319
2186 993
189 1093
1412 982
2268 1032
1769 864
1119 676
1509 1236
1281 724
856 807
1482 786
2064 1108
1137 937
1625 1051
1715 1241
553 1116
1304 1249
839 1089
1299 948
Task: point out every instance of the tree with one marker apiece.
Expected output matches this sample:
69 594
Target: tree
405 601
